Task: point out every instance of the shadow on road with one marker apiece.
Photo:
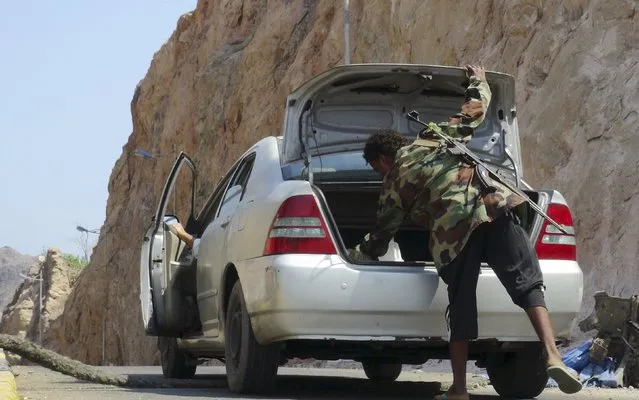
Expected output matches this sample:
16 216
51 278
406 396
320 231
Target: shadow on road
309 387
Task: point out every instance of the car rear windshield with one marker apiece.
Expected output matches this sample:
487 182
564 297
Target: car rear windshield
336 167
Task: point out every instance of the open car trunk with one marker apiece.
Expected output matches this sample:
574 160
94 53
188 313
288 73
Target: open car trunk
351 210
330 117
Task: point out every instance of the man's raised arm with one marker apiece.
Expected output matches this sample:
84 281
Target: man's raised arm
462 125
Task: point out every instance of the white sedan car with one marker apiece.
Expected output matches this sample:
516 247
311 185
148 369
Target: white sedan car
272 279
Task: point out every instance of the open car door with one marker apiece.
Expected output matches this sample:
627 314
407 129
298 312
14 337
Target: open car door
167 307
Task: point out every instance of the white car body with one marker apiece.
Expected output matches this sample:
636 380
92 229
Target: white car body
325 305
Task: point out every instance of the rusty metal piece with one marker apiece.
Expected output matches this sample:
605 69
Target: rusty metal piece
609 316
617 321
599 350
630 347
630 361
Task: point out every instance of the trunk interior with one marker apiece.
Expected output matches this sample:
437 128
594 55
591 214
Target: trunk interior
353 206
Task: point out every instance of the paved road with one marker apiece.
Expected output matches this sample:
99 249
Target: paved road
38 383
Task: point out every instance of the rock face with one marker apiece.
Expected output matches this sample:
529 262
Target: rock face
12 263
220 82
22 316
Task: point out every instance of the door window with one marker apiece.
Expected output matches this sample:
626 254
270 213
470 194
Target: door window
237 187
210 209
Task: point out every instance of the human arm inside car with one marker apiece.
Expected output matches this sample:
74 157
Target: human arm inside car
178 230
390 214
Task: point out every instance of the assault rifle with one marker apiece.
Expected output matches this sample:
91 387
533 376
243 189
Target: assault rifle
472 159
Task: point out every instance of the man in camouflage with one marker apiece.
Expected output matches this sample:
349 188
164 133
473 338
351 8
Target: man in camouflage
470 218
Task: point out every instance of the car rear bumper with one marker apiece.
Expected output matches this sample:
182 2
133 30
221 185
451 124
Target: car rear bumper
322 297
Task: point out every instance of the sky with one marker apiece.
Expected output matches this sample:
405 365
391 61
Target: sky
68 70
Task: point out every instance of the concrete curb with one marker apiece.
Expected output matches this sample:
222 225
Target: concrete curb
8 387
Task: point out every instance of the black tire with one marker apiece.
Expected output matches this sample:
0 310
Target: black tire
517 375
251 368
176 363
378 371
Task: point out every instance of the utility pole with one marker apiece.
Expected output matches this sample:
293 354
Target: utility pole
40 312
347 34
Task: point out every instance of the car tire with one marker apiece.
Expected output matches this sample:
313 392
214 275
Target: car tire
251 368
517 375
176 363
378 371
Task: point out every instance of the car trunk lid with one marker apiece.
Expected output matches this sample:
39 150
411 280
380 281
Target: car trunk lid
339 109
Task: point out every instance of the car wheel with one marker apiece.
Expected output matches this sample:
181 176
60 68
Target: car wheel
251 368
175 362
378 371
517 375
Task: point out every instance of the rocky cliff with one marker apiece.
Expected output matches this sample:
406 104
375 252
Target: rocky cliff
12 264
22 315
220 81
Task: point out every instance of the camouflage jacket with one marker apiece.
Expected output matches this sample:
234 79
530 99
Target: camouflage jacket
437 190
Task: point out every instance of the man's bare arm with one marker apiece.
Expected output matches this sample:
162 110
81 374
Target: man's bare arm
178 230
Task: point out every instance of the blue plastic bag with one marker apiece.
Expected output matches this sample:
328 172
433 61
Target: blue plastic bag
590 374
608 379
594 375
578 358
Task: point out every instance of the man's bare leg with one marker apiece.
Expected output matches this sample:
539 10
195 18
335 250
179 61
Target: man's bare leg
567 380
458 359
540 320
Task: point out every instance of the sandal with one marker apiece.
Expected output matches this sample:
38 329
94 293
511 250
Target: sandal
567 381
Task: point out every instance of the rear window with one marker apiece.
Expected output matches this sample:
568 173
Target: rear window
336 167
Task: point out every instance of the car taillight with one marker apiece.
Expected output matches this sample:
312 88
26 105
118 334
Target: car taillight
552 243
298 227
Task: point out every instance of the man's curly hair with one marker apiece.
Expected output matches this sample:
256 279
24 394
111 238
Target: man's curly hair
384 142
